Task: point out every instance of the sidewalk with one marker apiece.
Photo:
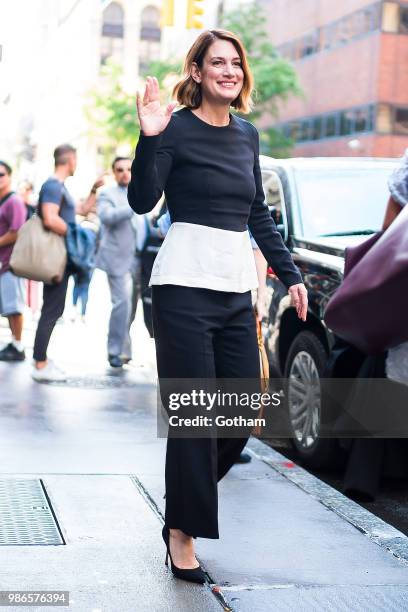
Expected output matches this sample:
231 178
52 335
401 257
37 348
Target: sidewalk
288 542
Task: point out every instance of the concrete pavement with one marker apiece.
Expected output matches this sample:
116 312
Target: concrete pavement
286 543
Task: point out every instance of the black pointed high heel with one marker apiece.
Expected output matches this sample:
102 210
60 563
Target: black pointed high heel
195 574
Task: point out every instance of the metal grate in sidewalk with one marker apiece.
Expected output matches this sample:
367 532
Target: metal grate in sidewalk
26 516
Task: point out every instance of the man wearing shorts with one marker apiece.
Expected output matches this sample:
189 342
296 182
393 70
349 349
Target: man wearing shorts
12 290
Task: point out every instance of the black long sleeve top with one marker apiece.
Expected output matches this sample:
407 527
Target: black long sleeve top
212 179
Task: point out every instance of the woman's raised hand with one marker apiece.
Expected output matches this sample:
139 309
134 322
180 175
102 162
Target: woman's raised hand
153 117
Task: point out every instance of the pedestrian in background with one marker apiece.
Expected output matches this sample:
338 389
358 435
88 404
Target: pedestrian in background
56 207
26 192
116 256
150 246
88 219
141 227
12 288
206 160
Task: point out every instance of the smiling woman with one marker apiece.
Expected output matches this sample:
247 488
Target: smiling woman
207 162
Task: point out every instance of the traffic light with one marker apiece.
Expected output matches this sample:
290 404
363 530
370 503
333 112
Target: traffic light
194 10
167 13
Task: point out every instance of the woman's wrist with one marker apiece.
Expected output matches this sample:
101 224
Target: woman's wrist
149 134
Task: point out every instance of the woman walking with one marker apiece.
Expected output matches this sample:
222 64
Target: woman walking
206 161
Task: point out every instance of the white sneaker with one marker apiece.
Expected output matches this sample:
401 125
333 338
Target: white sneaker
50 373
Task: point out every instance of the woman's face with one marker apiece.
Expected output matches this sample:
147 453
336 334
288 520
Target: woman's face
221 75
5 178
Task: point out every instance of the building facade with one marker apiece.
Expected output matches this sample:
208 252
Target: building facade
52 59
351 59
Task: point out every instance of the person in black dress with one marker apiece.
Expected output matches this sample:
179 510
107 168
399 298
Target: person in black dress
206 161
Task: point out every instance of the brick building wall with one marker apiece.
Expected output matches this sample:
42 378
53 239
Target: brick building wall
351 59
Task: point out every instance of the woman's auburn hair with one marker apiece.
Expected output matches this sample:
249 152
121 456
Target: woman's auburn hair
188 93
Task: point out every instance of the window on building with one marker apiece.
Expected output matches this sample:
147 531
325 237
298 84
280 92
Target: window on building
390 17
372 17
113 18
345 29
286 130
150 36
362 119
327 36
404 20
346 122
401 120
339 32
150 24
295 130
112 32
317 125
305 130
383 119
358 23
351 26
330 126
309 44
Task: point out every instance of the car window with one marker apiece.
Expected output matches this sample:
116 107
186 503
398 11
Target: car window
342 200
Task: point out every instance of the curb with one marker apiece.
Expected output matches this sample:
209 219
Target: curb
377 530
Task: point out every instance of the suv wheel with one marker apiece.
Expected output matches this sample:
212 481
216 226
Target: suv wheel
304 366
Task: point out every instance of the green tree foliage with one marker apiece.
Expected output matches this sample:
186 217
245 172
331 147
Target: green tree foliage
275 78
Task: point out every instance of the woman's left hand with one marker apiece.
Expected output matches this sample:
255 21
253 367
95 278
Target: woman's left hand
260 309
298 294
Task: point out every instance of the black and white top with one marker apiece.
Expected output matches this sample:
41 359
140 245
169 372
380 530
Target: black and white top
212 182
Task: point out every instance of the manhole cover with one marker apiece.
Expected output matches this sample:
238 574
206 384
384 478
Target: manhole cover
26 516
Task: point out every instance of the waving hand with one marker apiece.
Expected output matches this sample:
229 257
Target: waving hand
153 117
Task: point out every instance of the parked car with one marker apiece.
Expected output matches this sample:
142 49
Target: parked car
321 206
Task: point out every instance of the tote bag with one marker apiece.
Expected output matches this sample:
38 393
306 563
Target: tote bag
38 253
370 308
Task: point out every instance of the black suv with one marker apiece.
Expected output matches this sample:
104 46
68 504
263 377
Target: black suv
321 206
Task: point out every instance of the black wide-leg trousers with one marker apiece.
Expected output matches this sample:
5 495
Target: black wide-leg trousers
207 334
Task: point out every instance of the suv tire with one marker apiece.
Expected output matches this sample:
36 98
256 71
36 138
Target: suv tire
304 366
